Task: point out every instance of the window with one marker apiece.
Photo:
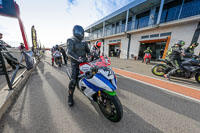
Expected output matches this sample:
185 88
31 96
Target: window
123 21
145 37
190 8
130 19
154 35
142 20
165 34
171 11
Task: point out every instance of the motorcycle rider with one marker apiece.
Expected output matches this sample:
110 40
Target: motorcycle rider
148 50
189 51
7 55
95 50
174 56
57 48
56 51
77 49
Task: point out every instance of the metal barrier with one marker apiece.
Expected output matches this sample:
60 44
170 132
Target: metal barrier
3 70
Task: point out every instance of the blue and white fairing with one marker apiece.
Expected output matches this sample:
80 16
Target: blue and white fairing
103 80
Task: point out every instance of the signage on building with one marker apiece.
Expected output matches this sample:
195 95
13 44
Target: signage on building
8 8
115 41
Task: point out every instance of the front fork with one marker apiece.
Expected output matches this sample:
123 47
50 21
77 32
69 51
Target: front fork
101 95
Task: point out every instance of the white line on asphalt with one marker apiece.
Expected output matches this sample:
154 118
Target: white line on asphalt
159 79
196 100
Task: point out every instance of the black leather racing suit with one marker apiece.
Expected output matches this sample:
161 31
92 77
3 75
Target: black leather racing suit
8 56
76 49
175 59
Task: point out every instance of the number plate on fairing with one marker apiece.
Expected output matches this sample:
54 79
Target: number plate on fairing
85 67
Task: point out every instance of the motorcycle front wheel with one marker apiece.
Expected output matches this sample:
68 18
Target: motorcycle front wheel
111 108
158 70
197 77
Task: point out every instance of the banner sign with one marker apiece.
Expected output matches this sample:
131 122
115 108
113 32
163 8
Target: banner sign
34 38
8 8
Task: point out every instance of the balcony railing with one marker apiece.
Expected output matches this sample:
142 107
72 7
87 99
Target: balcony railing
115 30
188 9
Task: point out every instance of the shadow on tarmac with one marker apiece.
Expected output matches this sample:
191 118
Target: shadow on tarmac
90 119
177 104
86 117
39 116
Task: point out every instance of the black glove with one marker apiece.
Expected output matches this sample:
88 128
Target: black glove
85 59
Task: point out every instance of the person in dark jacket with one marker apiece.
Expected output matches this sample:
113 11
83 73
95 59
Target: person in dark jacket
174 56
77 51
64 54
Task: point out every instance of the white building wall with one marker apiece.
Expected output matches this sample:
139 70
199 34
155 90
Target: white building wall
124 45
180 32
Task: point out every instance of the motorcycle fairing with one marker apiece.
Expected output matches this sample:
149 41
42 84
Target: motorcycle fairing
99 82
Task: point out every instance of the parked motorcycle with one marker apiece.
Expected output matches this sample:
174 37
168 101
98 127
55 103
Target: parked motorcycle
57 58
98 83
147 58
191 68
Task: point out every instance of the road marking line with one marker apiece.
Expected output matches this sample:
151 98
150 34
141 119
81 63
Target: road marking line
164 85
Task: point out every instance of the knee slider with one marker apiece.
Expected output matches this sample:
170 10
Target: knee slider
72 84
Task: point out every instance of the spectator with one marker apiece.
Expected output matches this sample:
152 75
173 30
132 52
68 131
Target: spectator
64 54
161 53
118 53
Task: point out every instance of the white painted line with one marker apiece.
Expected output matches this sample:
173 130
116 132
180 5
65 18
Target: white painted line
196 100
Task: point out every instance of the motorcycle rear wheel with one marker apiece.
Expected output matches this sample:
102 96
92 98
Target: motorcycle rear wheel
111 108
158 69
197 77
147 61
59 64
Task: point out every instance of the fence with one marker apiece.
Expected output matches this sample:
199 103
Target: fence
3 69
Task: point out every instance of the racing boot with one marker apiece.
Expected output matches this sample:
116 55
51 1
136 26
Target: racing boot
167 76
70 98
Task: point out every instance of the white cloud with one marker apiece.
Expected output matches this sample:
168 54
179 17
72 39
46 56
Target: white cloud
54 20
105 7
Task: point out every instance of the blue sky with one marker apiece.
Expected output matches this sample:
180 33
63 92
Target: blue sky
54 19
